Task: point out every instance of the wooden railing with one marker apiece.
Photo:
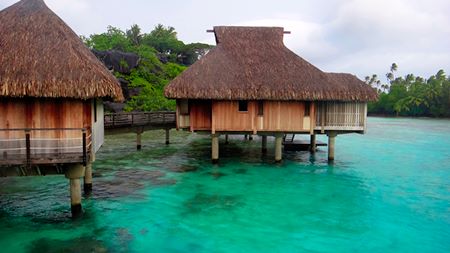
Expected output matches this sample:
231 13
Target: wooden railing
346 116
29 146
135 119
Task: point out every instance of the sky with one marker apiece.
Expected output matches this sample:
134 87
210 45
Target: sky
355 36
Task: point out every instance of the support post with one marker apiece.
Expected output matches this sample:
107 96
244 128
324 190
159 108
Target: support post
28 147
278 144
74 173
88 179
245 136
312 144
250 137
83 133
75 197
264 144
226 139
167 136
215 148
331 142
139 140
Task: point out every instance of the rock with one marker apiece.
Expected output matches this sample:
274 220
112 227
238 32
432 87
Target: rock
163 58
117 60
113 107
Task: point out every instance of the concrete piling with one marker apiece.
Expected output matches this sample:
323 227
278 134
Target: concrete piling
278 147
215 148
74 173
331 144
87 186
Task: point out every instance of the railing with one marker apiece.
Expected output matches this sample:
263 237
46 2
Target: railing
28 146
157 119
341 116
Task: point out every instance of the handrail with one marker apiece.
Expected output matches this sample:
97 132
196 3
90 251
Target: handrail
42 129
139 119
28 150
137 113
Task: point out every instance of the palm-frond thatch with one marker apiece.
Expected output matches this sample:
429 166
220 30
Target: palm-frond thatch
252 63
40 56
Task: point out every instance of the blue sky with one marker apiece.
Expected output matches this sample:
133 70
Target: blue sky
357 36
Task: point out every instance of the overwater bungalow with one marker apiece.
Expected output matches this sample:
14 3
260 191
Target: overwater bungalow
51 89
250 83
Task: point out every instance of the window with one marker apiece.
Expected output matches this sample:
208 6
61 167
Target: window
95 110
307 108
243 106
184 107
260 108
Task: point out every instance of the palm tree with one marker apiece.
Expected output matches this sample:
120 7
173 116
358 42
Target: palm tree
134 35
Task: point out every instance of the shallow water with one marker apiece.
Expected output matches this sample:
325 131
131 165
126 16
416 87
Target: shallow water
388 191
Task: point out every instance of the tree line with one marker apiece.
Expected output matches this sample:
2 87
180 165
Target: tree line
162 57
411 95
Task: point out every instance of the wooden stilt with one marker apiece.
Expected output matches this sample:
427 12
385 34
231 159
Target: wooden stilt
312 143
226 139
139 140
250 137
331 144
278 144
215 148
167 136
264 144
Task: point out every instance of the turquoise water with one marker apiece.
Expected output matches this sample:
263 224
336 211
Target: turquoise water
388 191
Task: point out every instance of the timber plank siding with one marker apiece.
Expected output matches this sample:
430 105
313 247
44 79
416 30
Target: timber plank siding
40 131
275 116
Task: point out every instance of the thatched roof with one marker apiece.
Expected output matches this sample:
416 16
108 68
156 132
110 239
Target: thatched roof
252 63
40 56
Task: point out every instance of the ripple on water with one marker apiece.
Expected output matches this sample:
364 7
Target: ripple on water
75 245
127 182
387 191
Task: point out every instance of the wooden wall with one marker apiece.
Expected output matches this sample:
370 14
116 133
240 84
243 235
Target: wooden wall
42 113
227 117
224 116
98 126
283 116
200 115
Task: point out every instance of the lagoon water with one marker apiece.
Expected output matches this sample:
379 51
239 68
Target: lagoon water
387 191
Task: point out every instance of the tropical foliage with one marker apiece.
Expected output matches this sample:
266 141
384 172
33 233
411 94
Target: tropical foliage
162 57
411 95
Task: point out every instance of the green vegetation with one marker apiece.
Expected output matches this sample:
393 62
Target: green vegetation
162 55
411 95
